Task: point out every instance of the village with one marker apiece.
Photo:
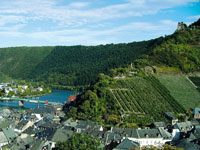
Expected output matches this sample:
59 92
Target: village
41 128
21 89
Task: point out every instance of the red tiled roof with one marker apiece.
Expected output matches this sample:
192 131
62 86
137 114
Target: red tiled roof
72 98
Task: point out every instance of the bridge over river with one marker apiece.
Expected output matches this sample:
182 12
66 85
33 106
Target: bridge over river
22 100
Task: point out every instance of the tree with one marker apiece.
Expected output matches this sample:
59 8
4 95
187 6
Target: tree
2 92
11 93
79 142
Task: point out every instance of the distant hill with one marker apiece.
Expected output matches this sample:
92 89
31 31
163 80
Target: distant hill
196 24
80 65
69 65
19 62
180 50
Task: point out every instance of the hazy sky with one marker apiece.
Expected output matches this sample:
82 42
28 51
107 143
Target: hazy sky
90 22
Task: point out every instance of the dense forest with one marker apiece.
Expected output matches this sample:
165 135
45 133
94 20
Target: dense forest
69 65
19 62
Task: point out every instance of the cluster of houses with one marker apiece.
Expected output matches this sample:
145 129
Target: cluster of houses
17 89
42 128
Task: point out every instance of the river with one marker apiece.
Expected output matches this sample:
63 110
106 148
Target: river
56 96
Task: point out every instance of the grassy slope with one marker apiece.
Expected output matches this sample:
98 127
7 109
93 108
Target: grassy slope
182 90
18 62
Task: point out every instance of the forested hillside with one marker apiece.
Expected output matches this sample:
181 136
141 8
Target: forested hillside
19 62
69 65
80 65
180 50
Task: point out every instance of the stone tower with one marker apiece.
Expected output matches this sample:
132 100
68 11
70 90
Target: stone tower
181 26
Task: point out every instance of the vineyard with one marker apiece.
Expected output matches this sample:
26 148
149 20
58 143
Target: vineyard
182 89
144 95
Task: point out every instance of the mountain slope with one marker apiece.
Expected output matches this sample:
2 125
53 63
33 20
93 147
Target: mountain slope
122 101
180 50
141 99
18 62
69 65
79 65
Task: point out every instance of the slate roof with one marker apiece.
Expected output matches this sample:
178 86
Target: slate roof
195 134
61 135
31 130
18 144
130 132
28 140
118 130
187 145
21 124
164 133
148 133
5 112
109 137
159 124
184 126
95 133
126 145
46 134
82 124
3 138
45 110
9 133
72 124
38 145
196 111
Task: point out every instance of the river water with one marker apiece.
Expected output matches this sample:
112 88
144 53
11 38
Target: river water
56 96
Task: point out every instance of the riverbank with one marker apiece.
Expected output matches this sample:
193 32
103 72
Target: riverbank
37 95
60 96
71 88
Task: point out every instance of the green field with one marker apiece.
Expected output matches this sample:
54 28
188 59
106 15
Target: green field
182 90
145 95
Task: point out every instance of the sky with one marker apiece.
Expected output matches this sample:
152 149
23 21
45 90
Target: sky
90 22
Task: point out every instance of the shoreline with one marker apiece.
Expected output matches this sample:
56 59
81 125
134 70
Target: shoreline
36 95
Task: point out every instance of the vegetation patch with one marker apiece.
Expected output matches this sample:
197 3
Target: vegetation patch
182 90
127 102
140 94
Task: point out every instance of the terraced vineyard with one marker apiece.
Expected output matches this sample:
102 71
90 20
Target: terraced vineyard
145 95
182 89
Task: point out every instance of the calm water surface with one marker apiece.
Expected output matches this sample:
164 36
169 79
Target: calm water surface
56 96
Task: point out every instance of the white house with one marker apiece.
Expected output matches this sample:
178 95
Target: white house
40 89
151 137
23 86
